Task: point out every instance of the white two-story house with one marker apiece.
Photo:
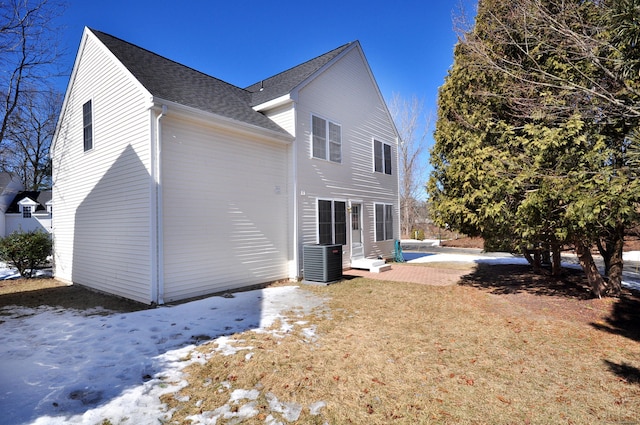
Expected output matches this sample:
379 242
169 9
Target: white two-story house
23 211
171 184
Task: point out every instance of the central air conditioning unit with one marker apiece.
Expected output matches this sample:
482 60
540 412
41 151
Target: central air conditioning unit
322 263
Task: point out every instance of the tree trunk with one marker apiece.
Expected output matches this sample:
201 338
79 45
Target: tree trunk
534 260
546 254
611 248
605 249
556 261
594 277
616 262
527 256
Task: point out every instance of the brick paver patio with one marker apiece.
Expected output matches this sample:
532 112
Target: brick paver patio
413 273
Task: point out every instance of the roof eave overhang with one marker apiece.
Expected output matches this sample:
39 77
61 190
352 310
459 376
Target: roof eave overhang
274 103
222 122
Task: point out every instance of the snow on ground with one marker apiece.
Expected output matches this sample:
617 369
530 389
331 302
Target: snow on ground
505 258
71 367
11 273
631 256
428 242
490 259
59 366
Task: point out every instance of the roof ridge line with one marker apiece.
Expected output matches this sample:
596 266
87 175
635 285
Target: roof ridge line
168 59
301 64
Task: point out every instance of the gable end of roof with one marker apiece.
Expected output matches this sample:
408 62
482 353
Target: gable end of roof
285 82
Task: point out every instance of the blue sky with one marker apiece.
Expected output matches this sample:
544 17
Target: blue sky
408 43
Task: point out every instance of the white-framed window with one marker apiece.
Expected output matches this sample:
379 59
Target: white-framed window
382 157
87 126
332 222
26 211
384 222
326 139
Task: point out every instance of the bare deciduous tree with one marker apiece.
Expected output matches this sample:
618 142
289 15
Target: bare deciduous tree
26 152
29 56
413 126
592 66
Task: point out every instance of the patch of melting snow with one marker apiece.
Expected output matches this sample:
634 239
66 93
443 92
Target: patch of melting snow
290 411
64 367
236 410
511 259
316 407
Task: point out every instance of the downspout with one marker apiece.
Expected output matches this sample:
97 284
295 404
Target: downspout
159 234
399 213
296 233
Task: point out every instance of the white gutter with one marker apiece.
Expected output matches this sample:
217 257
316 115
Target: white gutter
157 231
273 103
225 122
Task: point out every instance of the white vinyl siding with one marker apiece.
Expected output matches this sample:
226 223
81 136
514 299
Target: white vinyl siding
362 117
225 209
103 196
38 222
284 116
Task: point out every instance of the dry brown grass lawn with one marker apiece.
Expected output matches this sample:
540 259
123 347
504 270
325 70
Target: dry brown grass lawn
503 347
15 286
52 292
389 352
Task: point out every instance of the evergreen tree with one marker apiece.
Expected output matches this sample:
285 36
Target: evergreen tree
533 131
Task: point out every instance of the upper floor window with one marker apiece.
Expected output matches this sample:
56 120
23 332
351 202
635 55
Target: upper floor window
326 139
382 157
87 126
26 211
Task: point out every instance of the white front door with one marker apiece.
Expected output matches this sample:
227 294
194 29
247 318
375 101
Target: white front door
357 247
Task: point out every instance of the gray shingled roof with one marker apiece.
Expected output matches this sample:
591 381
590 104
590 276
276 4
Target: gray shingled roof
286 81
178 83
41 197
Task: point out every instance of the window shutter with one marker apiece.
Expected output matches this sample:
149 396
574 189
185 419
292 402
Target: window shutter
388 222
379 222
335 143
340 219
325 235
377 156
387 159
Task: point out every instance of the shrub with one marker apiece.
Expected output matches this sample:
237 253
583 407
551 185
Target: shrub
26 251
418 234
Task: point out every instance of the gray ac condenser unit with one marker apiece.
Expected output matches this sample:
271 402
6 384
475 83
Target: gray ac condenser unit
322 263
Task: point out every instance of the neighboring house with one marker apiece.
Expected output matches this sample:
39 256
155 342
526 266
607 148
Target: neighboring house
22 211
171 184
30 211
10 185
